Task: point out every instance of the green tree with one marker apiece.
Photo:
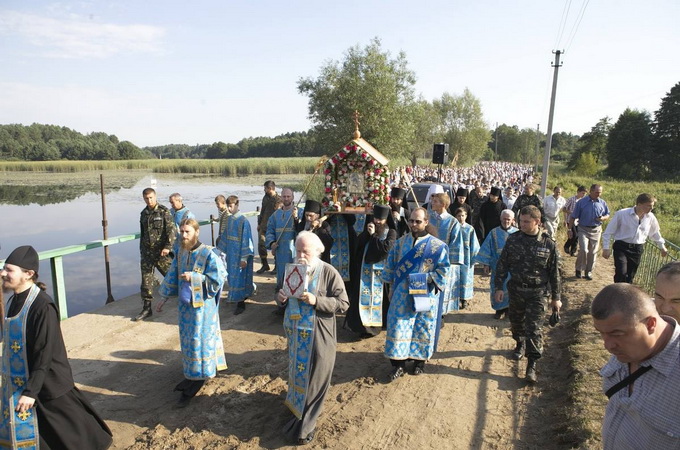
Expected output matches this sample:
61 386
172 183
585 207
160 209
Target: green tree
593 142
629 145
462 126
666 141
586 165
563 146
381 88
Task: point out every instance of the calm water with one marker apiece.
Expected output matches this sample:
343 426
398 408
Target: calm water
76 221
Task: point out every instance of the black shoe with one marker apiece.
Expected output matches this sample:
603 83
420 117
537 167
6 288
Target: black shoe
183 401
518 353
589 276
463 304
531 371
578 274
240 307
308 439
145 314
397 372
262 269
498 314
418 370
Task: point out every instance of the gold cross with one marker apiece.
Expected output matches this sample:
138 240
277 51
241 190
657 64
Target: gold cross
24 415
18 381
6 413
301 367
16 346
304 334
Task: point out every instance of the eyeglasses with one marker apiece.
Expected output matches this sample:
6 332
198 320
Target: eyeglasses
416 221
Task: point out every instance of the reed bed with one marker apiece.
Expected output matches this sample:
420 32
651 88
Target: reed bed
226 167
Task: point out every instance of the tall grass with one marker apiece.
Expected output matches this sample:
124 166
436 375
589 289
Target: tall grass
226 167
622 194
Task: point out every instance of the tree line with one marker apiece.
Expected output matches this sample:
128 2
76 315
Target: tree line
636 146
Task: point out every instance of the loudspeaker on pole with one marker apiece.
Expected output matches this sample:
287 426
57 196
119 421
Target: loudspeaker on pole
440 153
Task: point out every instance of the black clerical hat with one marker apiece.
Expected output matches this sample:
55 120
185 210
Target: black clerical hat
25 257
312 206
380 211
462 192
496 191
398 193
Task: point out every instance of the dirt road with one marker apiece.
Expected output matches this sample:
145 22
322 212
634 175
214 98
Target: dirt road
471 395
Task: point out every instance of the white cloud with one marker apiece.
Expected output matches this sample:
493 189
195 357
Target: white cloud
80 37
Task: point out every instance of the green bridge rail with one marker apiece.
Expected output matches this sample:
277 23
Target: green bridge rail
56 261
651 262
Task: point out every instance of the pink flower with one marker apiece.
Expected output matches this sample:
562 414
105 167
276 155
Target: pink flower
328 189
372 162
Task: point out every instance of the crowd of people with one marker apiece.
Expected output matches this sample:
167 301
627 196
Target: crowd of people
390 268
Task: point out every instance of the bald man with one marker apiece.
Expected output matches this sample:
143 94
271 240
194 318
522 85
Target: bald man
642 378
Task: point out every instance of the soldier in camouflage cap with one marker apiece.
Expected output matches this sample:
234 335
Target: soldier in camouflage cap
532 260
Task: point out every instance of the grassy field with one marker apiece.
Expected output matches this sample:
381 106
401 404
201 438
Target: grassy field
621 194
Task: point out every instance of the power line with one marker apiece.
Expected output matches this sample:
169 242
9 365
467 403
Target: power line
574 28
563 22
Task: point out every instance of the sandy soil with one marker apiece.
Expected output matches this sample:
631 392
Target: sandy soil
472 394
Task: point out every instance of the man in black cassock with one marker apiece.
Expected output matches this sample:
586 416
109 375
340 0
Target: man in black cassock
397 219
316 224
38 381
373 246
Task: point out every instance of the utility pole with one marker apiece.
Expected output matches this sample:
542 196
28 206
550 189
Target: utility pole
548 143
538 141
495 143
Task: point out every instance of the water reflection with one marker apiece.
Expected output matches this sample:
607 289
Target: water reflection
47 226
23 188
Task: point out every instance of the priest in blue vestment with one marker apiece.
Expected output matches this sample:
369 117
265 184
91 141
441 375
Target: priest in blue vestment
466 278
196 278
416 269
448 231
236 242
488 256
280 234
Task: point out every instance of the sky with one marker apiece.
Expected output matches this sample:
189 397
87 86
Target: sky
161 72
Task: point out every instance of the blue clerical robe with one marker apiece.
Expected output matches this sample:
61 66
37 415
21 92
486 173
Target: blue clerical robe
281 229
488 255
467 269
449 231
236 242
412 334
198 301
341 248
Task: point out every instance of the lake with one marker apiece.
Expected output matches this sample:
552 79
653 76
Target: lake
49 211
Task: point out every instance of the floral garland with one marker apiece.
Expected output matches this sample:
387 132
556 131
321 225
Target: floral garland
352 159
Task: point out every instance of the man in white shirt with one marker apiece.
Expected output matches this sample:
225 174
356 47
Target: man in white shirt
629 229
552 205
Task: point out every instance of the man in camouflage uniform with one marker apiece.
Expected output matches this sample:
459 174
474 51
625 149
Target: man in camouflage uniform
529 198
268 206
532 260
156 241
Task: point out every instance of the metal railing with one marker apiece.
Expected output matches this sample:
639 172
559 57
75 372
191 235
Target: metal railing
650 263
56 261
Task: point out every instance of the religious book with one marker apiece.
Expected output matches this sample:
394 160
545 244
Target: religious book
295 280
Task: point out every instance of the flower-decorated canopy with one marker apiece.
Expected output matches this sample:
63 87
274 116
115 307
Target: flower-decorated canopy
357 175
